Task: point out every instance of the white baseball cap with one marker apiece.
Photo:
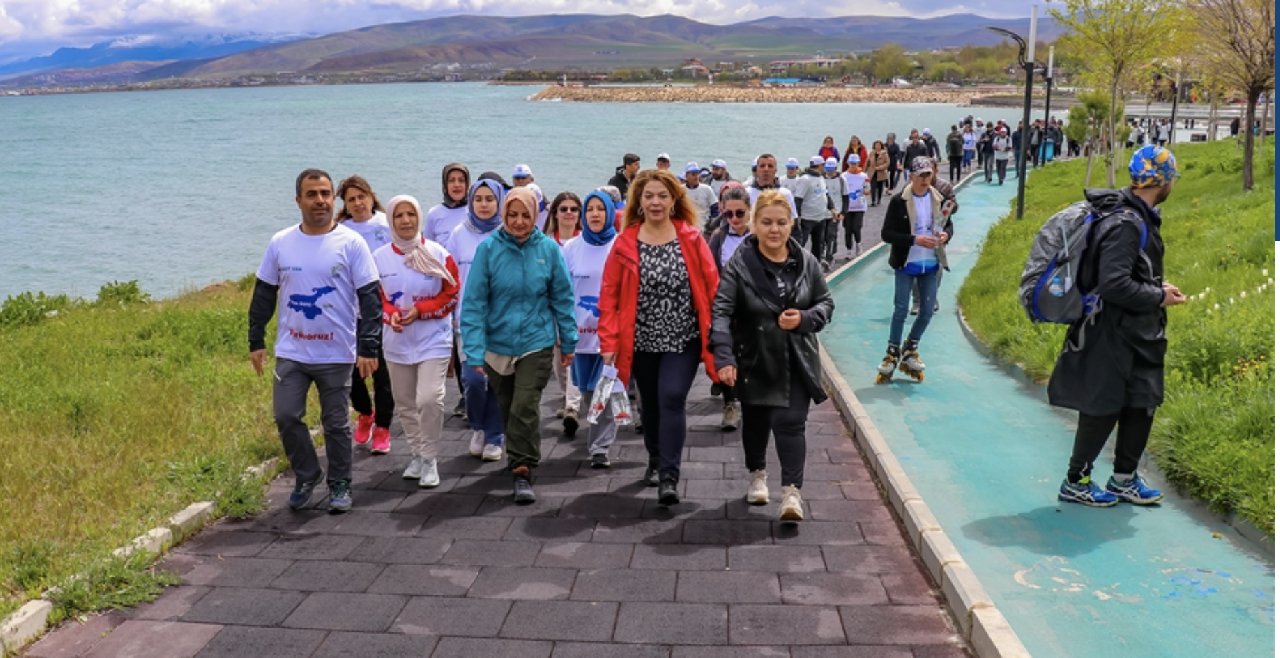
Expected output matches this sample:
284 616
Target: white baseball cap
522 171
831 165
816 161
721 164
664 156
792 163
692 168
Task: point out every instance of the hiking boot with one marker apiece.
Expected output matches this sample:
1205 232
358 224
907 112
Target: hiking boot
381 441
729 421
600 460
476 445
414 470
792 507
430 474
650 478
758 490
667 495
302 494
1085 492
364 429
522 487
570 423
1134 490
339 496
492 452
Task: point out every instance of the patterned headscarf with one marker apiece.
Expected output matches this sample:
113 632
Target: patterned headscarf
1152 166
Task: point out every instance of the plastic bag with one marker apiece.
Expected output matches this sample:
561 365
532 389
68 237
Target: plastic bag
610 397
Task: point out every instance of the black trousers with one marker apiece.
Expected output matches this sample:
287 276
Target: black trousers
1091 436
1001 167
787 426
383 404
893 179
818 238
853 228
954 172
877 191
663 380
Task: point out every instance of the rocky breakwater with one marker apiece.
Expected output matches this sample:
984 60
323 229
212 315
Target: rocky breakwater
732 94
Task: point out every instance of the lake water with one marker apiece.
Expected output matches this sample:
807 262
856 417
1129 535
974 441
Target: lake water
179 189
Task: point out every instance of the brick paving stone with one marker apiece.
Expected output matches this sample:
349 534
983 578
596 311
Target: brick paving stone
851 652
172 604
594 650
484 553
503 505
374 645
818 533
954 650
833 472
784 624
401 550
723 454
731 533
373 524
728 587
244 606
776 558
421 580
159 639
560 620
848 510
584 555
312 547
869 559
689 508
436 615
468 527
76 638
532 583
235 571
824 588
730 652
678 557
327 576
227 543
629 531
342 611
624 585
466 647
598 507
378 500
672 623
882 533
540 529
861 491
719 489
242 641
910 589
568 486
896 624
441 504
697 470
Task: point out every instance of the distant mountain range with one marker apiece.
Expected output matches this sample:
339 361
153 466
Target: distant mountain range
478 43
151 50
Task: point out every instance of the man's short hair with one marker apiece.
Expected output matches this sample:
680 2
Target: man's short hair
310 174
630 158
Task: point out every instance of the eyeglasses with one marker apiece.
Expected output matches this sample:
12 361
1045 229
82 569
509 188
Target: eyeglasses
738 214
569 209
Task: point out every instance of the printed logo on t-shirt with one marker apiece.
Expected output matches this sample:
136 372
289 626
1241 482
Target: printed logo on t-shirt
395 296
590 303
307 304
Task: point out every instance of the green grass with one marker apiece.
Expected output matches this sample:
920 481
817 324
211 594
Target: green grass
1214 436
115 414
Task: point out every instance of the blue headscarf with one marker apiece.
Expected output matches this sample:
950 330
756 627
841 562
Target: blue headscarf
484 225
610 231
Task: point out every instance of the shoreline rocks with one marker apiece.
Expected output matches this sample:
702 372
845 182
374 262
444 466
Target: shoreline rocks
736 94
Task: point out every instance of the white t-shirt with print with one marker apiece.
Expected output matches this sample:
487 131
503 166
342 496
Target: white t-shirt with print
703 197
462 245
318 276
427 338
441 221
586 271
857 185
924 226
754 193
375 231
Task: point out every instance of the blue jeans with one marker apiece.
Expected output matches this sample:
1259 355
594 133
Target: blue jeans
483 412
968 158
902 283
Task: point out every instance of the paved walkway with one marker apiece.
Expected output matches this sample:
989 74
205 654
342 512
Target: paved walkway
594 568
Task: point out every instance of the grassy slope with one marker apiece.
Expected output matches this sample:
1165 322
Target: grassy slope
112 419
1214 435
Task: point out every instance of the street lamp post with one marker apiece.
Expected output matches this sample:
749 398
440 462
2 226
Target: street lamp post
1026 60
1048 94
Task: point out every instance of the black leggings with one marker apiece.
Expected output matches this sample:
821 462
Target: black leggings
787 425
383 404
877 191
954 161
1091 437
853 228
663 380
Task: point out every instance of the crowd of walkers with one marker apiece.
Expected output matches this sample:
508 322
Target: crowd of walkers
640 281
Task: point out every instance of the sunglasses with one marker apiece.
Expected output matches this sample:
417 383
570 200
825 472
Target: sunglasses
738 214
569 209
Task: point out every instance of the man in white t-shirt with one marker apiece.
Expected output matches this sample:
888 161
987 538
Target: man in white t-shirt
323 280
702 196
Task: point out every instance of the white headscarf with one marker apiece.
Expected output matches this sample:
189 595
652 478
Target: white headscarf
416 255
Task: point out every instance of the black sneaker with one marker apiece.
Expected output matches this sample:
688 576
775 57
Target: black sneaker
667 495
522 487
460 409
339 496
600 460
302 494
570 424
650 478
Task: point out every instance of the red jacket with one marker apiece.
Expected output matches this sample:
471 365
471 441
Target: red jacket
621 286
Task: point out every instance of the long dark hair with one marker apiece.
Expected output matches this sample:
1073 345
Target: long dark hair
553 222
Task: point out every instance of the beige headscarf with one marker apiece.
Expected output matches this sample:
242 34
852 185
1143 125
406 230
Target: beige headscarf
416 255
525 196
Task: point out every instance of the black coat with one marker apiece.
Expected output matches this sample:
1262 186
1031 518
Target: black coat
620 181
745 331
910 152
1120 357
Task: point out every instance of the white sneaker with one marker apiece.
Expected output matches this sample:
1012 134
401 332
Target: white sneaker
414 471
492 453
792 507
758 491
729 421
477 443
430 474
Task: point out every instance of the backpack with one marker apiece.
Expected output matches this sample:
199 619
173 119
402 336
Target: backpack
1051 290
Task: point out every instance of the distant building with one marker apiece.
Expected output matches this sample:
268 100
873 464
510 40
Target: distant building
784 65
694 68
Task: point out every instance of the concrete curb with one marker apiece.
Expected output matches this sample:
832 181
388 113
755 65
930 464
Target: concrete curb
979 621
32 619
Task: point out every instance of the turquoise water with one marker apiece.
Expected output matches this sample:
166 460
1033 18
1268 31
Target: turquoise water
987 453
182 188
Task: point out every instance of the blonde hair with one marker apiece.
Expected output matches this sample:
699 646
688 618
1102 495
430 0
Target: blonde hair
769 199
681 207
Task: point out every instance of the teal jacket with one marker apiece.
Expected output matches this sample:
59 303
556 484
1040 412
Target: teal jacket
518 299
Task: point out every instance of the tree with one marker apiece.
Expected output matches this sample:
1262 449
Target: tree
889 61
1115 36
945 72
1238 43
1087 124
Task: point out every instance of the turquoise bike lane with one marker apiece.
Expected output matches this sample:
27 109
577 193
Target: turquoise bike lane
987 452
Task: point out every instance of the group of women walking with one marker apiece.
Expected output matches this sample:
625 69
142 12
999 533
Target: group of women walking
476 282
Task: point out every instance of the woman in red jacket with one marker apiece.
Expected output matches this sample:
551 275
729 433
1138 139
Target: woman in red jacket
655 315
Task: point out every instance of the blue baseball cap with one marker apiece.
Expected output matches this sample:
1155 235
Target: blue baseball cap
831 164
692 168
792 163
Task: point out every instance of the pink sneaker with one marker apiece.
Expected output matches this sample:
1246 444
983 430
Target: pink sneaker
364 428
381 441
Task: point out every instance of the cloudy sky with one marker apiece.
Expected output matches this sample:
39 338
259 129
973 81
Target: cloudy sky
34 27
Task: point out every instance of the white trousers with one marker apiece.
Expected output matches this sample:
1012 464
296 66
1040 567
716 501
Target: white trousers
572 396
418 390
